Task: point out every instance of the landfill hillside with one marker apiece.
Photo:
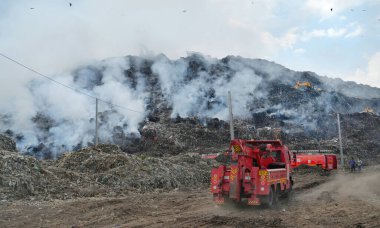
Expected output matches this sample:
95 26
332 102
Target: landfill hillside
150 168
166 106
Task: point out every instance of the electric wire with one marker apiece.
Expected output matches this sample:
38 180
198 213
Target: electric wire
64 85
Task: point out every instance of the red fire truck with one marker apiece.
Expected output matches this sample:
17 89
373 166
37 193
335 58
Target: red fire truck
260 172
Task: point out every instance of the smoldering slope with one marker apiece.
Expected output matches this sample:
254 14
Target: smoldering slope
58 119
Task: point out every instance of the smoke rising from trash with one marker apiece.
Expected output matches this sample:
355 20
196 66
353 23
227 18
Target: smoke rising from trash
54 118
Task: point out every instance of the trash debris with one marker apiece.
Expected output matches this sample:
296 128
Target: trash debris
6 143
101 170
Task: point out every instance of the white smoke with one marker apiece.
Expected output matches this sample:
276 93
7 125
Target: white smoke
73 113
205 96
197 85
350 88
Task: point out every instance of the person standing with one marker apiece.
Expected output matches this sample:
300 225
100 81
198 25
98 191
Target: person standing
360 164
352 164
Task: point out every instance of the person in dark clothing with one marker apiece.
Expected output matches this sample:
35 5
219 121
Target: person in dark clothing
352 164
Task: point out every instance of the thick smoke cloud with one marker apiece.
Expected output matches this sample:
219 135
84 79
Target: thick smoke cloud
193 91
62 119
53 118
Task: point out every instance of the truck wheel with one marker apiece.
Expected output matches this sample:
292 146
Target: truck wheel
276 195
288 192
268 200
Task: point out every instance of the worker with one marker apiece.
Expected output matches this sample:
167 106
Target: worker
360 164
352 164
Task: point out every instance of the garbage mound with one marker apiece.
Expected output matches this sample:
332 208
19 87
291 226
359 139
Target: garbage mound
7 143
175 136
94 160
20 175
109 166
94 171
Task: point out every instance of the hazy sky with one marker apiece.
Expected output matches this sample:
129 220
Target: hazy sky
53 37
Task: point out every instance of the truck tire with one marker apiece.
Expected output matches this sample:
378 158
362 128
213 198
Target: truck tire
276 196
269 199
288 192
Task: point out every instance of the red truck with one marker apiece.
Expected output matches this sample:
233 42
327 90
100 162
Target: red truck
326 162
259 173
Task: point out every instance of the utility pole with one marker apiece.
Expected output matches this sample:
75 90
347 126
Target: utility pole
340 143
231 116
96 123
233 182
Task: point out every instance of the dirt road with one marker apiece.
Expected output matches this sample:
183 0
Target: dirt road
341 200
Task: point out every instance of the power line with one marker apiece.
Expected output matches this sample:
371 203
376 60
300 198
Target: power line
64 85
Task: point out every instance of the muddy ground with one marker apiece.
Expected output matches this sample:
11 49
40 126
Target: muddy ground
338 200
